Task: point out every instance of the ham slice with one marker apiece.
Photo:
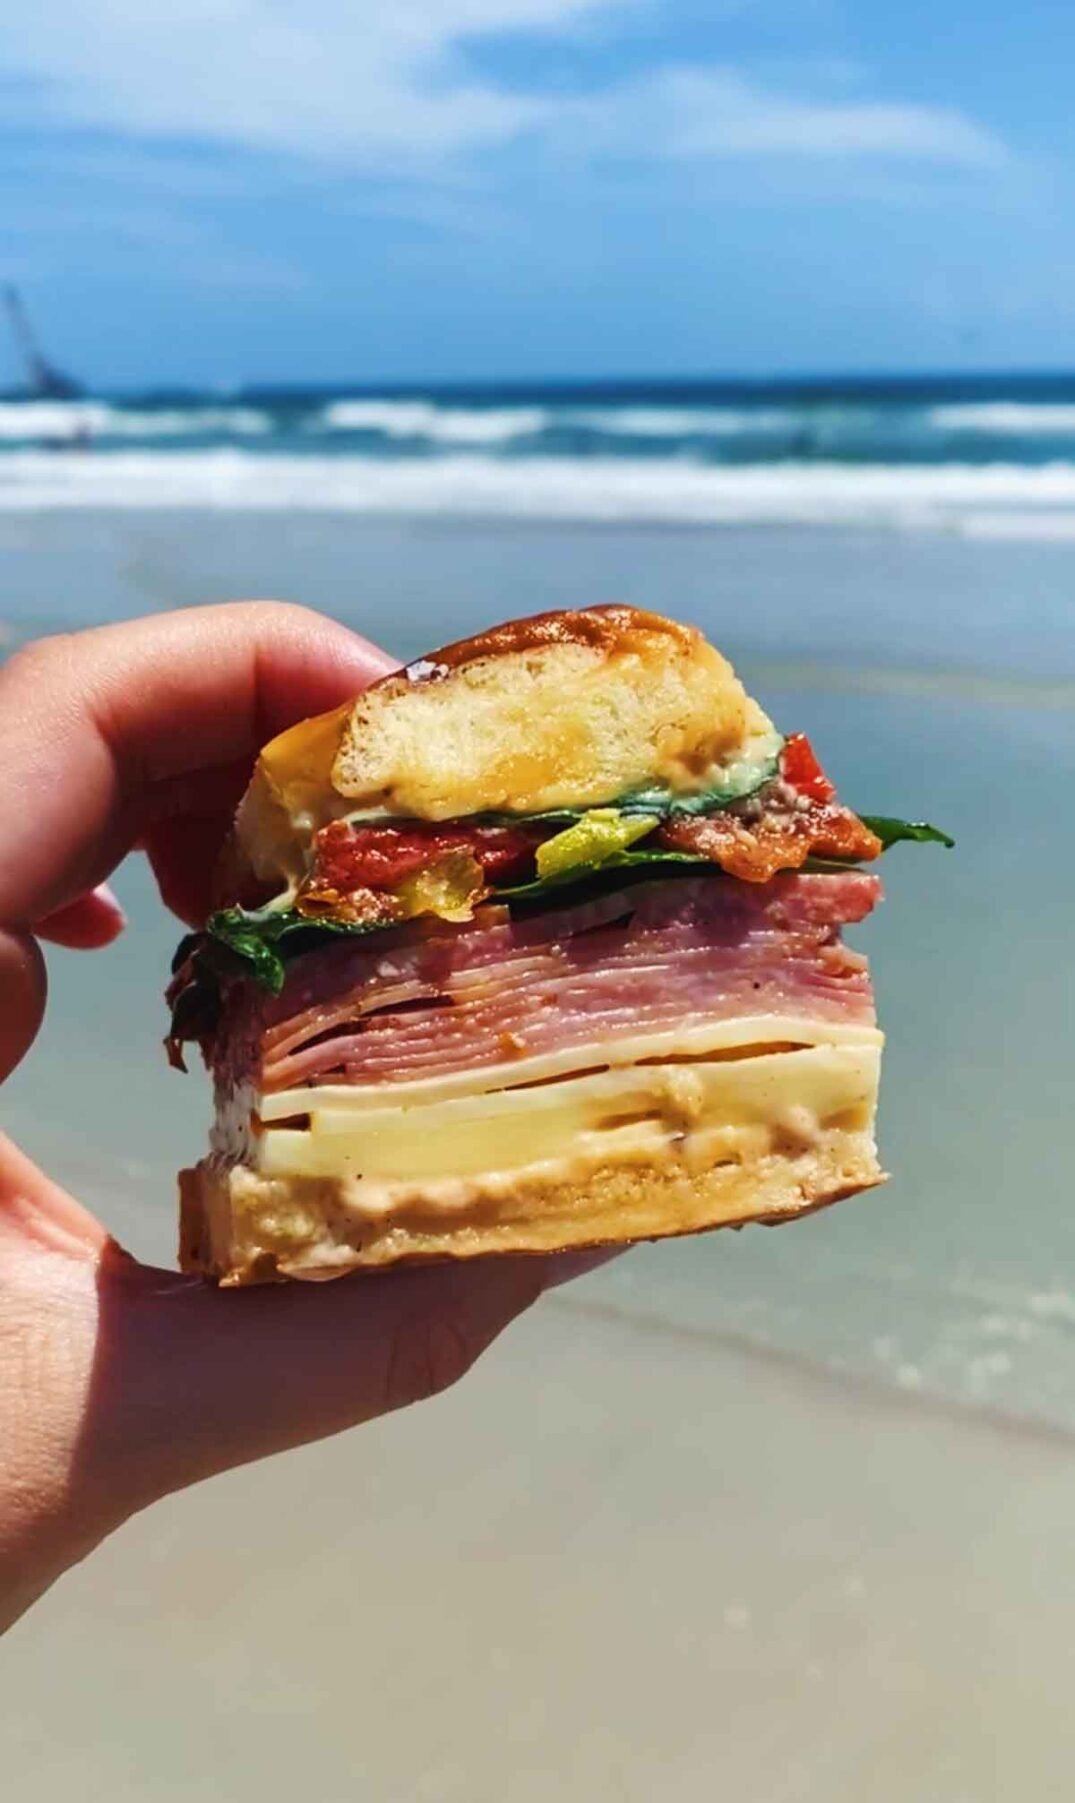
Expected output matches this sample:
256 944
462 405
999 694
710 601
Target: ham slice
440 999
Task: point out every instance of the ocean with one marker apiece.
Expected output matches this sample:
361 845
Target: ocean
724 1481
983 456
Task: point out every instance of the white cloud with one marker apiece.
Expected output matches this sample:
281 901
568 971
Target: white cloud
716 112
387 86
320 76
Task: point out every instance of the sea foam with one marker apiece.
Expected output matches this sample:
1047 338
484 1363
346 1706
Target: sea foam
1019 419
426 419
71 422
957 497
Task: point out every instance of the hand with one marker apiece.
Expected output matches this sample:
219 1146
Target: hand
120 1383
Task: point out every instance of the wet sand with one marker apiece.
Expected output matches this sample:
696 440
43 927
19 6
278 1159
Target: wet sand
620 1563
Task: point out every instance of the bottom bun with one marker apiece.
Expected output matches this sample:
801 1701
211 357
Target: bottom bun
241 1227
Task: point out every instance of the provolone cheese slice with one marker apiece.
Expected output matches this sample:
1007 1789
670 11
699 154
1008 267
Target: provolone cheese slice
701 1107
701 1041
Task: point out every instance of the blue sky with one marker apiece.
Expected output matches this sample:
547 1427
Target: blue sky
226 190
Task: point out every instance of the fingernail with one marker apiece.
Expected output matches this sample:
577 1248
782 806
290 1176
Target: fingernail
105 894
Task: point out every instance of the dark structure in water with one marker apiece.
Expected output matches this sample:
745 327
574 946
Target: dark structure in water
44 382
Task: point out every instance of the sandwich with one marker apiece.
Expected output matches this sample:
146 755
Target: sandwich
536 944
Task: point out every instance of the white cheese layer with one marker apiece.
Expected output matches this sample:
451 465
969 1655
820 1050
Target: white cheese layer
701 1041
699 1110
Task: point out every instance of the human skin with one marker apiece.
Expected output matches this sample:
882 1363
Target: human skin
119 1382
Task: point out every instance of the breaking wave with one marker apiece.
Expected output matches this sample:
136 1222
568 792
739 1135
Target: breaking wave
996 499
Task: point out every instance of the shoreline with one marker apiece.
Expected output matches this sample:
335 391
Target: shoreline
889 612
855 1385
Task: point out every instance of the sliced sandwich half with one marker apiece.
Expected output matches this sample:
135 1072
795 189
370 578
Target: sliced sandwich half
535 945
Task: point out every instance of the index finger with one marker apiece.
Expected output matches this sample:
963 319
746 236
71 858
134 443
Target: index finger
99 729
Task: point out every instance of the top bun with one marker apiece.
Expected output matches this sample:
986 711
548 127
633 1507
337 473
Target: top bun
566 710
563 710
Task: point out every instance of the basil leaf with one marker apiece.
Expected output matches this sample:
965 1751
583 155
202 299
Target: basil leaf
891 831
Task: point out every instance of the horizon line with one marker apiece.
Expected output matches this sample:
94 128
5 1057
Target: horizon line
790 383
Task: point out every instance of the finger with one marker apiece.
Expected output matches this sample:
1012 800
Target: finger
89 923
196 1380
23 988
41 1215
184 855
99 728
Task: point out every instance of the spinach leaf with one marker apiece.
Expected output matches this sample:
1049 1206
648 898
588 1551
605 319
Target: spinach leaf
259 943
580 873
260 937
235 943
891 831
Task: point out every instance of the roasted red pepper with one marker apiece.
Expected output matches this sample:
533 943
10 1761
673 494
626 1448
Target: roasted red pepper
799 767
350 857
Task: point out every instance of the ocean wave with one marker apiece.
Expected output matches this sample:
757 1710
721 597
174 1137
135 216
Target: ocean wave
1020 419
442 424
67 422
628 490
425 419
688 422
865 430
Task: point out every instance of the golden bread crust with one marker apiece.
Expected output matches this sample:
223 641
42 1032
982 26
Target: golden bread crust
561 710
610 630
241 1228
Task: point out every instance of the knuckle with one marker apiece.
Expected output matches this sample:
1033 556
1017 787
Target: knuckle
428 1355
265 616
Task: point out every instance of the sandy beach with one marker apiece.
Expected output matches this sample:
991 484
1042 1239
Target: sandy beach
625 1562
782 1516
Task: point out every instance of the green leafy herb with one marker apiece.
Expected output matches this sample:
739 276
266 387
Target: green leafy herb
663 804
260 943
621 860
254 944
266 938
257 945
891 831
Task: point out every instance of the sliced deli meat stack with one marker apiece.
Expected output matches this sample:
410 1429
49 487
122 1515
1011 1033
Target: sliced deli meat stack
653 957
537 945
